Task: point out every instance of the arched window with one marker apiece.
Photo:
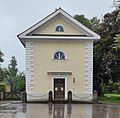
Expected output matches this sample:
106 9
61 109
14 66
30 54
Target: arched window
59 28
59 56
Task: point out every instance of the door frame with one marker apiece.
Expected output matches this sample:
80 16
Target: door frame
65 78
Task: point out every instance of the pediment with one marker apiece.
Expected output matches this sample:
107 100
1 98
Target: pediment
49 28
46 28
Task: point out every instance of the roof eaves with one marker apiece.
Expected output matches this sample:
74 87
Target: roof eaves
21 40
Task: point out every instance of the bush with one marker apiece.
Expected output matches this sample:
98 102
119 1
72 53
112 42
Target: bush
111 87
2 87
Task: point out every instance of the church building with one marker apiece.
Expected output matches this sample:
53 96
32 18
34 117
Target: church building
59 58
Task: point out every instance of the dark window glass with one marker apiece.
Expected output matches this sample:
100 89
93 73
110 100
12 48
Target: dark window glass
59 55
59 29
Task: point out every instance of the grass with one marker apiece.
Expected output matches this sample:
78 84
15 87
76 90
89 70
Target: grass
110 98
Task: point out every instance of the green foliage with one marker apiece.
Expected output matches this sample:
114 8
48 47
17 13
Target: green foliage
114 98
12 67
92 24
19 83
1 70
112 87
106 58
117 41
83 20
14 78
95 24
116 3
1 55
2 87
3 74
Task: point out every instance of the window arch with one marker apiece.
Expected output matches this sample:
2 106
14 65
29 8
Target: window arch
59 55
59 28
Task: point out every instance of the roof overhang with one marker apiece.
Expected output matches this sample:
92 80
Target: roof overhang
57 38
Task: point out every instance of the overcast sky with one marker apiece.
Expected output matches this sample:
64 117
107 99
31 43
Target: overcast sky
18 15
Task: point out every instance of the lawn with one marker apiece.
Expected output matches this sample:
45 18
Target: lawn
111 98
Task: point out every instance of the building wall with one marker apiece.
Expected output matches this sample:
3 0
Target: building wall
42 63
39 61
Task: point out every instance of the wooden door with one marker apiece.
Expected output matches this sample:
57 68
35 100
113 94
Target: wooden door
59 88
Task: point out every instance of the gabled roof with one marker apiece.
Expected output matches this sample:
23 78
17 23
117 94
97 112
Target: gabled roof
88 33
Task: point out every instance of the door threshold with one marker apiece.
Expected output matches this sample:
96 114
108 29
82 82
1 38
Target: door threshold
59 101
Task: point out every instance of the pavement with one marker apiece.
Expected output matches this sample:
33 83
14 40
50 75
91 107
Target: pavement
5 103
17 109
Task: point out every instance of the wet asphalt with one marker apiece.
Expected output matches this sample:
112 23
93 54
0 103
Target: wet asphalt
36 110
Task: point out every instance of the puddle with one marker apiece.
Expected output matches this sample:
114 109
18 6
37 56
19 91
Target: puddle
59 111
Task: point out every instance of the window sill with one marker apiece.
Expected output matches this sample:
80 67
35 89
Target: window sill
60 60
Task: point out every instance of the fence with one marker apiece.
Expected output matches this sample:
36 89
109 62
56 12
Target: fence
47 97
10 96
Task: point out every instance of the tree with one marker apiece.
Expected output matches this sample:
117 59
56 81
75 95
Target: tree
20 84
82 19
95 24
1 55
1 70
12 73
116 4
117 41
92 24
14 78
107 58
12 67
117 36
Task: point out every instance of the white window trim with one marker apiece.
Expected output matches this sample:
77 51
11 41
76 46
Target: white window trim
59 25
59 59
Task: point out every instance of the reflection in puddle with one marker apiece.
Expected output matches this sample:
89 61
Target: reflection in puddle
66 111
106 111
59 111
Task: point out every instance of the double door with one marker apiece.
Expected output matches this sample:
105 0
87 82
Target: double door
59 88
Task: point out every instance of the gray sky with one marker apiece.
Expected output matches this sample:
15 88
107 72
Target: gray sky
18 15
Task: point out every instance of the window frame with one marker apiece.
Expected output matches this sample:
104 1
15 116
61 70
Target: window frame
65 56
63 29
